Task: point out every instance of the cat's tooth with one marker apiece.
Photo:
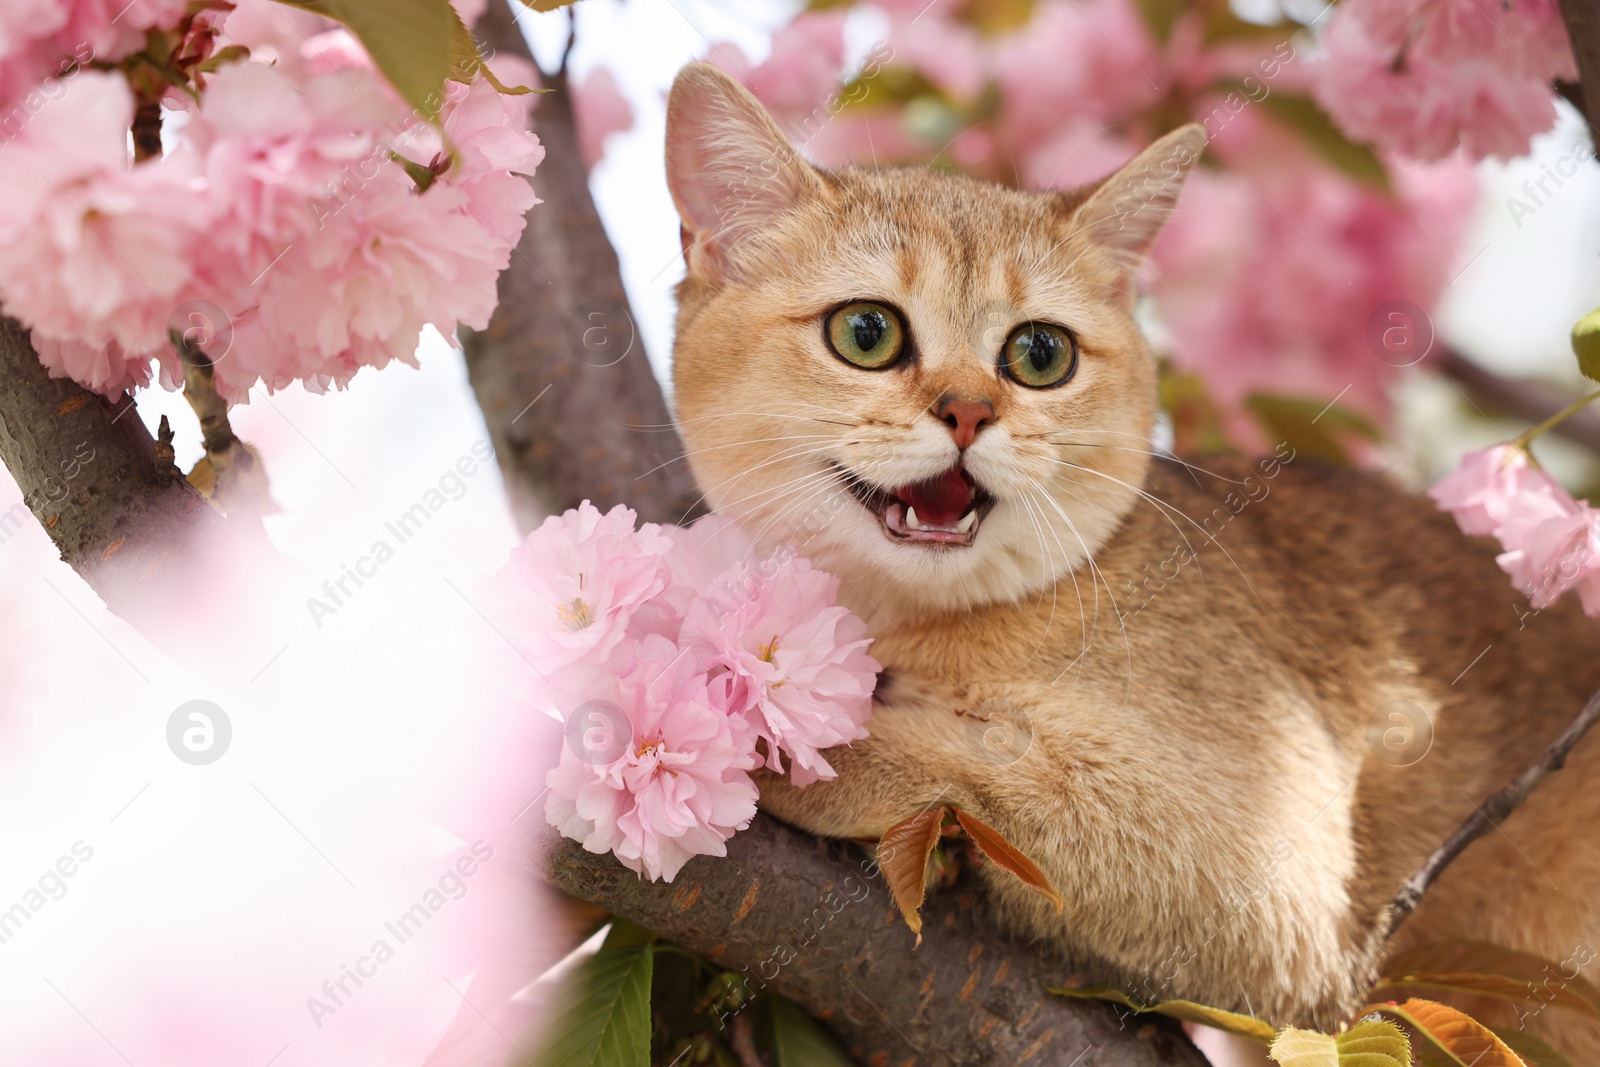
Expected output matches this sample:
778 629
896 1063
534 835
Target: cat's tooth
911 518
965 525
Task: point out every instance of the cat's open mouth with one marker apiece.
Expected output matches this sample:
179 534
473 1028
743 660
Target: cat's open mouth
945 510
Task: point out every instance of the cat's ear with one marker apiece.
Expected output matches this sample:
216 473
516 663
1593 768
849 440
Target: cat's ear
729 167
1125 212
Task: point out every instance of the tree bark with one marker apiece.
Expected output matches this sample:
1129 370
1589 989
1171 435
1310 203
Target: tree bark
124 521
572 405
1583 27
813 921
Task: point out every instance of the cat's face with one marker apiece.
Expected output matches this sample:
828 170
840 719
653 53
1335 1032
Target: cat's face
931 386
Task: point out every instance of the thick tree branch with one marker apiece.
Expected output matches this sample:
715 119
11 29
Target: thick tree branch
573 407
1484 818
813 921
90 475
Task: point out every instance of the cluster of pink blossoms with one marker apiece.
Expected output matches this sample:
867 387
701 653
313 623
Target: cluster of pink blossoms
1551 541
1423 76
1272 265
43 39
302 221
680 665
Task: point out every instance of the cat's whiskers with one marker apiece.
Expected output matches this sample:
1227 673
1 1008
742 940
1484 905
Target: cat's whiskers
1094 570
790 454
1190 467
735 444
771 415
1163 507
1038 529
801 495
779 492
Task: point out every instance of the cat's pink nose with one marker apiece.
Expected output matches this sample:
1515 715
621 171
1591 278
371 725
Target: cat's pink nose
965 418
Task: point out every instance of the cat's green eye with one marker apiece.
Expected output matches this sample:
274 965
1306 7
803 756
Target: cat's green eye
1039 355
867 334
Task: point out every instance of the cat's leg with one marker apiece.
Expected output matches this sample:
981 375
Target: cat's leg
912 761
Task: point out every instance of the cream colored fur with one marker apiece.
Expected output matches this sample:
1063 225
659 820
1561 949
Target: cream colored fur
1190 671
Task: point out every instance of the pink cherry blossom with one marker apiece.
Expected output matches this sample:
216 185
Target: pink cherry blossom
804 66
41 39
796 662
1551 542
600 110
1268 271
575 583
1422 76
1499 489
95 254
1555 555
678 787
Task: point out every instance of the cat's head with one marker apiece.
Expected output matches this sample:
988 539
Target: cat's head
930 385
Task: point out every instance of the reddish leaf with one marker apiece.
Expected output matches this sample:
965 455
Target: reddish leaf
1465 1041
903 857
991 844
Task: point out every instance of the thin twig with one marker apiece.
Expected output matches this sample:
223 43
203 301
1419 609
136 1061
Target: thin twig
1483 819
741 1036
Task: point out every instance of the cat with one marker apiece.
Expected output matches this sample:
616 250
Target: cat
1227 708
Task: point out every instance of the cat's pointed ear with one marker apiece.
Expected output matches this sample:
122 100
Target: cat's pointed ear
1125 213
729 167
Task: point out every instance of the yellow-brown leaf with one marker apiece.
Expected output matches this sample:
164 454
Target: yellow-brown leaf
903 857
1464 1041
1187 1010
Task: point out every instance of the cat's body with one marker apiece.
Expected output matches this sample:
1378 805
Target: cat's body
1228 710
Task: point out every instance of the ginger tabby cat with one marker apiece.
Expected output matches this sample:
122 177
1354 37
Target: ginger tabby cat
1236 705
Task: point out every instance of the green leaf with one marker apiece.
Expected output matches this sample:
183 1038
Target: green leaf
411 42
233 53
1537 1052
625 934
1489 970
1308 425
548 5
1367 1044
1187 1010
604 1019
1586 344
1312 123
797 1040
466 62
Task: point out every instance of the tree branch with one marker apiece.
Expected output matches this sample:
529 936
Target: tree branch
572 405
125 522
813 920
1583 27
1484 817
1528 400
